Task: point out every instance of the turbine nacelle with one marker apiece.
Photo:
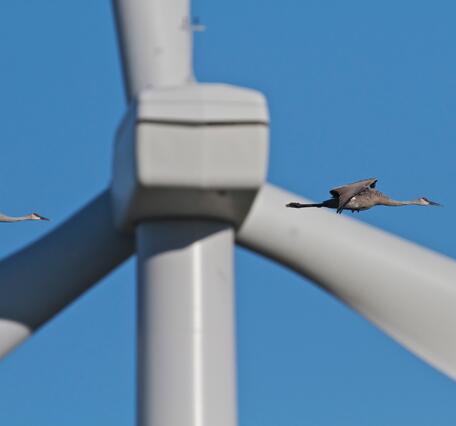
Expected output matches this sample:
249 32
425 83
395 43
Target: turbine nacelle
195 151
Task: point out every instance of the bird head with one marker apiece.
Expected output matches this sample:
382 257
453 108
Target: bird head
426 202
36 216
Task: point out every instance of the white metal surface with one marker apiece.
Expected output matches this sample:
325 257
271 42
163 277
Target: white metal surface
202 103
155 37
40 280
199 151
186 344
406 290
201 157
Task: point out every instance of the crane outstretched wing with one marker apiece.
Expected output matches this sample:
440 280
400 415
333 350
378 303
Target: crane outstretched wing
347 192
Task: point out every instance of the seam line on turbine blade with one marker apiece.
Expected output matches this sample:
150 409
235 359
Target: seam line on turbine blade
202 123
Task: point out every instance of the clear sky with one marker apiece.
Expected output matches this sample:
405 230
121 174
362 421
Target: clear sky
356 89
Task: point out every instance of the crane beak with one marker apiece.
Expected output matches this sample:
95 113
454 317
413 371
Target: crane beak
39 217
431 203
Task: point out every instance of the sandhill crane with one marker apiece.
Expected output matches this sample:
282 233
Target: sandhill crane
32 216
361 195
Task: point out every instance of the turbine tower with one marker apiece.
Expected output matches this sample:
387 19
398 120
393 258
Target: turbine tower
189 170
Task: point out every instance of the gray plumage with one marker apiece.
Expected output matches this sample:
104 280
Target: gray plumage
361 195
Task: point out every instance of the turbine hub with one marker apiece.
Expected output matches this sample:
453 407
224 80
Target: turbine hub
194 151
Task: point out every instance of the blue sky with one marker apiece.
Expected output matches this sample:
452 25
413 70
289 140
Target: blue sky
356 89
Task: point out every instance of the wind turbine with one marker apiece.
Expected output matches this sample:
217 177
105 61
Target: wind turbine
188 180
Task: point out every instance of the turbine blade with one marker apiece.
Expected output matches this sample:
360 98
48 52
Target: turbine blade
40 280
406 290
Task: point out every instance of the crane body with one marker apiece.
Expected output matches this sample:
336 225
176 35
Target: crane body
361 195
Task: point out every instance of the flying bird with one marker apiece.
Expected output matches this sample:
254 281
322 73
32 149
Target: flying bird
361 195
32 216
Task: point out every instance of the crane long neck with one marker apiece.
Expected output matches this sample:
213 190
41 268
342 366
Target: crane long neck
386 201
5 218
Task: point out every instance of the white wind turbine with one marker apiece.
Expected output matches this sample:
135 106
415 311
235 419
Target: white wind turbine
188 182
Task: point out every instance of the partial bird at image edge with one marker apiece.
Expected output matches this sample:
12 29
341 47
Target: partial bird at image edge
31 216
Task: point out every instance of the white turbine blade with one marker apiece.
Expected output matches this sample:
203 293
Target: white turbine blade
406 290
40 280
156 43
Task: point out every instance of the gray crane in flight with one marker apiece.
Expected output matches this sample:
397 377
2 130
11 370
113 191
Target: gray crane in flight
361 195
31 216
